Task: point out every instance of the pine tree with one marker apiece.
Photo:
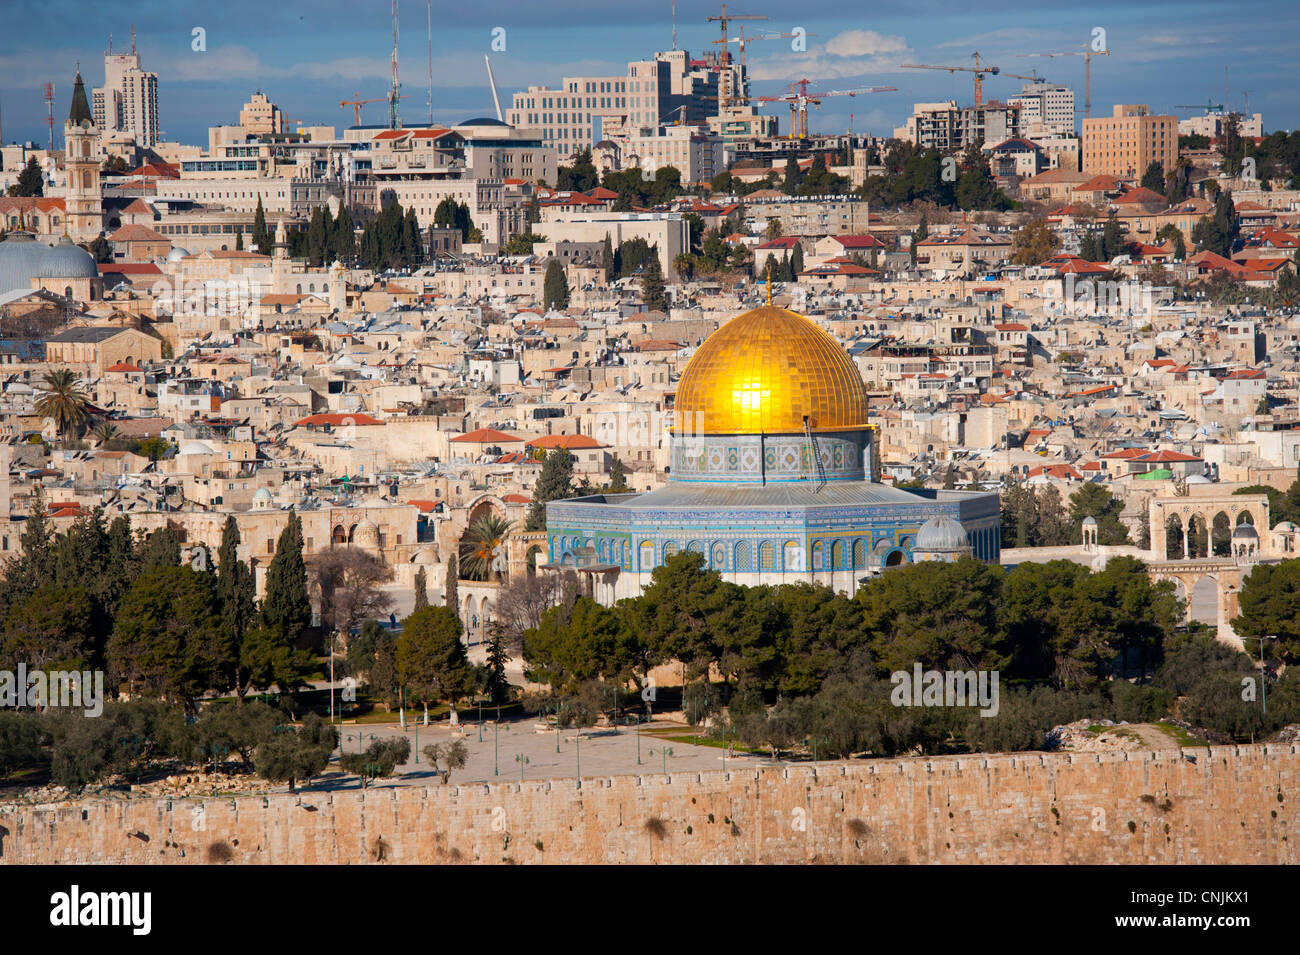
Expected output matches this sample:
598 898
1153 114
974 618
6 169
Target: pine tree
239 241
495 683
555 287
554 484
421 589
796 262
286 608
653 292
790 185
922 232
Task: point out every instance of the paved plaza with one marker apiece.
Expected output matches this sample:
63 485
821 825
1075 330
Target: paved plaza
599 751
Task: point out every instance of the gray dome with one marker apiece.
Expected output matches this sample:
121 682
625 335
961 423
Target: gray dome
1245 532
941 534
176 254
22 259
1089 521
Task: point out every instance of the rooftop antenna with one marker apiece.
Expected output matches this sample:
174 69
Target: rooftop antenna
429 14
49 106
394 121
133 39
493 83
674 24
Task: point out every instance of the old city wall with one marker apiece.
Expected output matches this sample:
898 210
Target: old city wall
1232 805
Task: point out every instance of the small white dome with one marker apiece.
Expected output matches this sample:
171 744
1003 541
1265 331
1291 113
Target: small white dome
194 447
1245 532
176 254
941 534
262 494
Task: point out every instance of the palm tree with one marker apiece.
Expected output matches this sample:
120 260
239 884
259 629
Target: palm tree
105 432
64 402
483 544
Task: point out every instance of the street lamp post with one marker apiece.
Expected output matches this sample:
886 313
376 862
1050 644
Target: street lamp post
523 761
480 721
665 752
496 746
638 742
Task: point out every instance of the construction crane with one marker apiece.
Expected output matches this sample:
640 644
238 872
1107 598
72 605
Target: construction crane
798 99
356 105
1087 53
741 40
1209 107
724 57
979 69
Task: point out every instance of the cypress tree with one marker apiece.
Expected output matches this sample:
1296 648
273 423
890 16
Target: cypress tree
343 243
421 589
286 608
555 287
607 258
261 236
235 587
451 590
652 285
796 262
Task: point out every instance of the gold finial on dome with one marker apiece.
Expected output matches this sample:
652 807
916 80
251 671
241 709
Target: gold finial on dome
769 280
765 371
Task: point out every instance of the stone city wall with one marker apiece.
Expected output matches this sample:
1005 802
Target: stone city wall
1232 804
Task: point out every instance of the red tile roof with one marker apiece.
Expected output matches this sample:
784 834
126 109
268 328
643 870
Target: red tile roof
570 442
487 436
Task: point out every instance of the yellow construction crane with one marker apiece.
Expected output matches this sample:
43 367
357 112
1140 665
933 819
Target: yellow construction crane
724 57
741 40
798 99
979 69
357 103
1087 53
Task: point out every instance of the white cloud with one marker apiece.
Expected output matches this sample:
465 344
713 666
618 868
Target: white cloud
864 43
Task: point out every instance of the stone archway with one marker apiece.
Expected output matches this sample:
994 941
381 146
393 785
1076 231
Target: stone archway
1221 535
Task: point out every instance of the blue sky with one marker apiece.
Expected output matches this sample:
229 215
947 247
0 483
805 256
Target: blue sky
307 55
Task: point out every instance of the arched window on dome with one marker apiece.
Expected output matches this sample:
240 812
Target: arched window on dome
742 562
695 546
838 551
670 549
647 556
818 555
859 554
767 556
790 556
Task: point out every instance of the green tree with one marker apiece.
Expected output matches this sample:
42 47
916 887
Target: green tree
446 757
1093 500
1154 177
1270 606
431 659
607 258
555 288
63 401
296 754
495 683
421 589
30 181
379 761
167 640
262 240
653 293
579 175
555 483
286 608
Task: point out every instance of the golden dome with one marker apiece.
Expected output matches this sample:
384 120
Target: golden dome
762 372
